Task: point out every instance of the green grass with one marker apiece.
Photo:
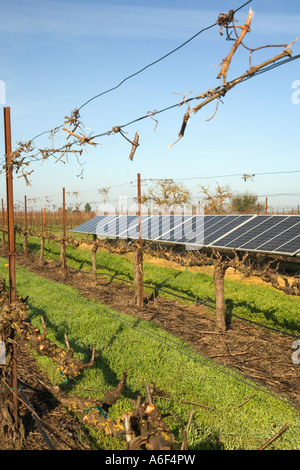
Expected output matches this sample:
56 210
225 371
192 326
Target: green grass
150 354
258 303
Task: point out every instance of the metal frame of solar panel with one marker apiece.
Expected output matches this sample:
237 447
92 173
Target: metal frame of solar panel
260 233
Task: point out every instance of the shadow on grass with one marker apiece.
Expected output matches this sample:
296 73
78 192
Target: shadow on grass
52 250
211 442
83 351
258 315
161 286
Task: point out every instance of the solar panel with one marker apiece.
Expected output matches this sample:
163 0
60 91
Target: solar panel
108 226
178 229
287 241
219 226
158 227
90 226
201 230
291 246
129 228
240 234
267 234
262 233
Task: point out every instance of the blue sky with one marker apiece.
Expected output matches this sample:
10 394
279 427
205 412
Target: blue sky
56 55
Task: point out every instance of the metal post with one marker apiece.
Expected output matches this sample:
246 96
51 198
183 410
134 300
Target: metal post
25 213
139 208
64 268
64 212
44 220
139 267
25 229
10 207
11 249
4 226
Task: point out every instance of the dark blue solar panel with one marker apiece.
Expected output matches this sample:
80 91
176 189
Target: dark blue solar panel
131 229
290 247
108 226
182 229
89 226
242 234
285 241
263 233
221 225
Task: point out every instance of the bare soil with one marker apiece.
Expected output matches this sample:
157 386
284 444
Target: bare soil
256 352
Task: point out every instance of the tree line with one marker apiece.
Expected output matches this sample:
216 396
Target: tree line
221 200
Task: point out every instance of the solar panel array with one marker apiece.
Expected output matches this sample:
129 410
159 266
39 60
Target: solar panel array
278 234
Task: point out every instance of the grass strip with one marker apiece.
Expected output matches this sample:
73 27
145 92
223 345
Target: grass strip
150 354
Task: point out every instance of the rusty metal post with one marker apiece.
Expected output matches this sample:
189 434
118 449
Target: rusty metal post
139 209
25 242
25 214
64 268
4 226
44 220
11 248
10 207
138 255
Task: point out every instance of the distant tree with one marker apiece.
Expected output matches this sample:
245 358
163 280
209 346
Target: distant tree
219 201
87 207
167 193
244 203
77 207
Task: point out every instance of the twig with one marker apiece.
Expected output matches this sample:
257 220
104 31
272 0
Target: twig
209 119
281 431
151 114
135 144
188 403
186 118
244 402
184 445
227 60
210 333
67 341
230 354
221 91
82 138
